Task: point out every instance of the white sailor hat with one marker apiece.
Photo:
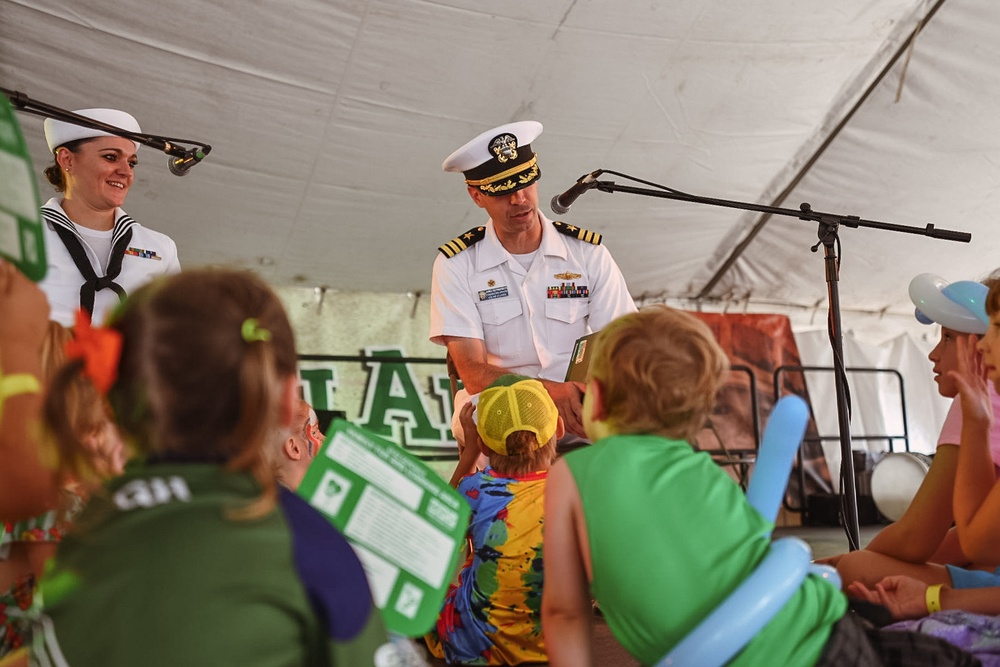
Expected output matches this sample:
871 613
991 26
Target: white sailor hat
960 305
499 161
59 133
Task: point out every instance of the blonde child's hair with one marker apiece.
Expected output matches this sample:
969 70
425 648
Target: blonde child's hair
523 454
659 370
85 411
193 385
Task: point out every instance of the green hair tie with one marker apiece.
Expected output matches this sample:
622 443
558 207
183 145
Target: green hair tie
253 332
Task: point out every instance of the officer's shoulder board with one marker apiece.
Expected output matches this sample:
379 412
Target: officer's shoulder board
460 243
578 233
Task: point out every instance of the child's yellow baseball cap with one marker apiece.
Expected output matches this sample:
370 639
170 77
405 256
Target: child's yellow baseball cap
515 403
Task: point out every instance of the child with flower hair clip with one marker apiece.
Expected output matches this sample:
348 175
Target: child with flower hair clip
26 545
196 555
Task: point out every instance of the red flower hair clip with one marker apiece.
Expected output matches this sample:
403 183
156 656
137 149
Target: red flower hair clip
99 348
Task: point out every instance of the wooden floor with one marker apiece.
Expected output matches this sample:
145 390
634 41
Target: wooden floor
824 541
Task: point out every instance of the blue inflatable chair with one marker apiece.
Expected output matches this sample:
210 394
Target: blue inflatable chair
752 605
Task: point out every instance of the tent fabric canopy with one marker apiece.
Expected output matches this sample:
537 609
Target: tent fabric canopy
328 122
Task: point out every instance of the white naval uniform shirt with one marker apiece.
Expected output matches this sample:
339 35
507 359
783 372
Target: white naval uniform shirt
483 292
150 254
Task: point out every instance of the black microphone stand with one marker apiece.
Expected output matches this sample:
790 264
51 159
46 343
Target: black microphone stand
829 226
168 145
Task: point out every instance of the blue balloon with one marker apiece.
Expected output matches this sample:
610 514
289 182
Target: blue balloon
752 605
959 305
827 573
782 437
747 610
972 295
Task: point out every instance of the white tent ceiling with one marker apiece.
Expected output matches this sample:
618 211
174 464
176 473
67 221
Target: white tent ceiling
329 120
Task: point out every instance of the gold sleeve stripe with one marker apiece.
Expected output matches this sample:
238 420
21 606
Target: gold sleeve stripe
584 235
460 243
453 247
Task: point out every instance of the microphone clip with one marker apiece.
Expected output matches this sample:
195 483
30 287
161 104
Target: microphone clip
180 165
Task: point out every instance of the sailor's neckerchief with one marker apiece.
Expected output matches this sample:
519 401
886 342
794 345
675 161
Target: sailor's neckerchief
120 238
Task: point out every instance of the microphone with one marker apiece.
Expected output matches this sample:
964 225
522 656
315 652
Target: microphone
179 166
561 203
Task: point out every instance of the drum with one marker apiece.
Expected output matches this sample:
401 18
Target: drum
895 480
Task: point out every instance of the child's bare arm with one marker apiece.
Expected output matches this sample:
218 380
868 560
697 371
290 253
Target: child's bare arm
917 536
977 496
469 455
566 609
27 486
906 597
903 596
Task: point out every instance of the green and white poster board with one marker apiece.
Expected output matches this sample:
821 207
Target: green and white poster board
21 239
405 523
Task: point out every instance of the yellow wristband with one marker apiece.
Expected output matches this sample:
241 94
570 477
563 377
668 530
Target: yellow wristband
18 383
933 598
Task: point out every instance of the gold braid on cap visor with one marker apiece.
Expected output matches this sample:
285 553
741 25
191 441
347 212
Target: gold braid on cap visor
486 184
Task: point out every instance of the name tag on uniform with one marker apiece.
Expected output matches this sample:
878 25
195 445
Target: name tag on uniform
493 293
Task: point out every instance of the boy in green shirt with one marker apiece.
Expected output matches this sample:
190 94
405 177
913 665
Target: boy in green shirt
660 535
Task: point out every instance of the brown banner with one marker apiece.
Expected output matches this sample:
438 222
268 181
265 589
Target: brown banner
758 345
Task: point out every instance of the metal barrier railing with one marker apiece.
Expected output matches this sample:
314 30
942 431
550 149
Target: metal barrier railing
889 438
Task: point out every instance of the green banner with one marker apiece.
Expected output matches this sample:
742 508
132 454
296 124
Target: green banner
21 239
405 523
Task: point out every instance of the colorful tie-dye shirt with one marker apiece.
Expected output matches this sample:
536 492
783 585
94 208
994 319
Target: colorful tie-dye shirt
493 616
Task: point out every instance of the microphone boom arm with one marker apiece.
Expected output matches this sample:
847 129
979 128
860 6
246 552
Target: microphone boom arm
168 145
804 212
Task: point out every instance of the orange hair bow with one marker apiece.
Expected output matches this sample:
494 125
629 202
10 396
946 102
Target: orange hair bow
99 348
